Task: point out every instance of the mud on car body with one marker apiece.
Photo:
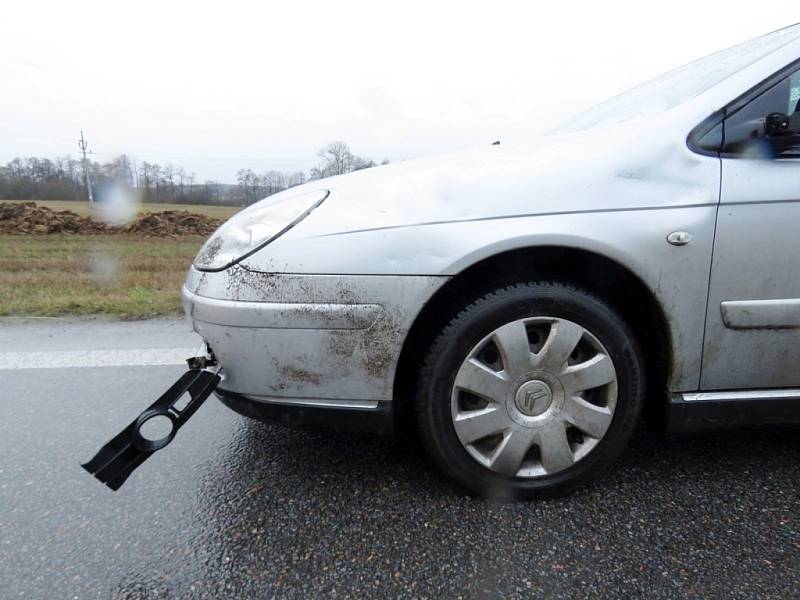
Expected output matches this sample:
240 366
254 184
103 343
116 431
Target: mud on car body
528 303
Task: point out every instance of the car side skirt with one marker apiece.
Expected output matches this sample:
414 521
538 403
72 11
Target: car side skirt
732 408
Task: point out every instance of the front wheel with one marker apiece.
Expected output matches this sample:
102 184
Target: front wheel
530 391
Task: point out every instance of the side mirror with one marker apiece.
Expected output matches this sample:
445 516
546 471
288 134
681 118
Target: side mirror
777 124
783 132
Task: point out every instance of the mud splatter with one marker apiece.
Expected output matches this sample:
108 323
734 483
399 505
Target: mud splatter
210 250
381 342
300 375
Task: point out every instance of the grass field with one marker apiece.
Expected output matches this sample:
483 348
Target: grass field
121 275
82 208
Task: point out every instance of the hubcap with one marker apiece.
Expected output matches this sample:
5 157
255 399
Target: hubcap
534 396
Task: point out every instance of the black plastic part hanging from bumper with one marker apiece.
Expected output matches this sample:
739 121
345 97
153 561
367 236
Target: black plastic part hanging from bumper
128 449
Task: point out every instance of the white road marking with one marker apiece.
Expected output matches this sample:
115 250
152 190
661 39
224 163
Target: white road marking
96 358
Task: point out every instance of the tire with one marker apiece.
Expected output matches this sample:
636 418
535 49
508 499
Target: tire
472 382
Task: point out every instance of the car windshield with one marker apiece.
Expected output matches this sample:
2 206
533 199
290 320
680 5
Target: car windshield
679 85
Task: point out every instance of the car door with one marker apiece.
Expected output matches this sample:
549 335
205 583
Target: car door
752 337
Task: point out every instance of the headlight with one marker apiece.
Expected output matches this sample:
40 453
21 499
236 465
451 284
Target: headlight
254 228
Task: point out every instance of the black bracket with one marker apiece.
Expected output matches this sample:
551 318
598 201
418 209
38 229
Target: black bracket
128 449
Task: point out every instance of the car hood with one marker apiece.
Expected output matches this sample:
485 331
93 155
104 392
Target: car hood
577 172
435 216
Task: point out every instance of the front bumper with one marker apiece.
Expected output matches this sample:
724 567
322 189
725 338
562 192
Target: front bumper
320 341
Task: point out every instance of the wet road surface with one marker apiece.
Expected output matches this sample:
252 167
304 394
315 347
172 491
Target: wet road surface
236 508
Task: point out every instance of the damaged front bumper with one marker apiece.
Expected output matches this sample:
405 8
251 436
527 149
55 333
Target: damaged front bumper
295 340
297 349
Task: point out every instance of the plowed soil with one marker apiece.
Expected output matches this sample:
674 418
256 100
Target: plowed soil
28 218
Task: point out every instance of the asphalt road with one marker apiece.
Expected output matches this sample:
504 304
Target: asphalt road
235 508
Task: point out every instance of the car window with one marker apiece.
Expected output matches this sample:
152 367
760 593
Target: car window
794 91
768 127
682 84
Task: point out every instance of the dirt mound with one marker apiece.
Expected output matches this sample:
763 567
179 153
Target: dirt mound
172 222
27 217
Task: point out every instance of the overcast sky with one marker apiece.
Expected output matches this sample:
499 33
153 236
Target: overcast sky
263 85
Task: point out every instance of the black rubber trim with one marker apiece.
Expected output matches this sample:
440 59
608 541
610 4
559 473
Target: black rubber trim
706 126
354 420
702 415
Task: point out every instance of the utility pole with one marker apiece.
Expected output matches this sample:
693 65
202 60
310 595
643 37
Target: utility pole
83 144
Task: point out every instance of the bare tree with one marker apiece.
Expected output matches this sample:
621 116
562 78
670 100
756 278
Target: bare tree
296 178
155 174
337 160
180 173
247 179
362 163
119 169
168 173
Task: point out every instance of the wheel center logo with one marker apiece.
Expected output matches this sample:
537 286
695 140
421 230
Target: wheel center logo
533 398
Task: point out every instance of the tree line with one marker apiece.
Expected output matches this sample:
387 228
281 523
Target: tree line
62 178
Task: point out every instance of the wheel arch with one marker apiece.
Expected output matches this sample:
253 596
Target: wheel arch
589 270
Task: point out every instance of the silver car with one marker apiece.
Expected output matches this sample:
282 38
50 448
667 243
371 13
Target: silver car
524 306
